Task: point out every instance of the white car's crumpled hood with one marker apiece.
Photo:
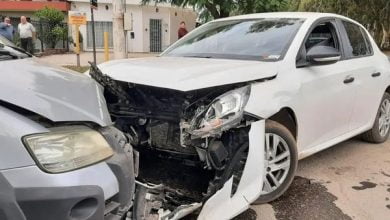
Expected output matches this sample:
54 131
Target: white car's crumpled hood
185 74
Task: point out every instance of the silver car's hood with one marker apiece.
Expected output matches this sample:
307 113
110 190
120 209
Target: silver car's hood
185 74
57 94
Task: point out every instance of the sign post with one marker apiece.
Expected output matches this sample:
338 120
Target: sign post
77 18
94 5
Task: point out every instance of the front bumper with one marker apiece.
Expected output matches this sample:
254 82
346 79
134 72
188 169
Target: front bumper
101 191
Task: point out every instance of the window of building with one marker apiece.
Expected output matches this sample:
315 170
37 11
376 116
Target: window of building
100 28
358 44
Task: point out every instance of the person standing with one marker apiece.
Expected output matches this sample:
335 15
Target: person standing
182 30
6 29
27 33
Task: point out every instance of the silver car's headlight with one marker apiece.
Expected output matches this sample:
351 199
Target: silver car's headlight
224 112
67 148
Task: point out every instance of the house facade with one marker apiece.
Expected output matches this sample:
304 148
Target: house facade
151 28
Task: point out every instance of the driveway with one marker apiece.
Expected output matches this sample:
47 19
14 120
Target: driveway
348 181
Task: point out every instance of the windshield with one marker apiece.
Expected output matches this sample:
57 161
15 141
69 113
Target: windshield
264 39
9 50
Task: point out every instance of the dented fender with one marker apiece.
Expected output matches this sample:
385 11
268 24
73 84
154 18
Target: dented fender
269 97
224 206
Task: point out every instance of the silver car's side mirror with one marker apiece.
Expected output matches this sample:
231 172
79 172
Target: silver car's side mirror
323 55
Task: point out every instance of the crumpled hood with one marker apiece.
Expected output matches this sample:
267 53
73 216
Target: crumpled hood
57 94
185 74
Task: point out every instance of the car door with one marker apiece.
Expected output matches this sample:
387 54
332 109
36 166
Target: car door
327 92
368 78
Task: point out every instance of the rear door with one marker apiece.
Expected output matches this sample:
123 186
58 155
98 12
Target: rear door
361 60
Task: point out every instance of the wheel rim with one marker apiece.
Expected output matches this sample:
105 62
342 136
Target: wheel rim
384 118
277 162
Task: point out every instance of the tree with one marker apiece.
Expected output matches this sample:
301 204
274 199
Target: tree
50 28
213 9
373 14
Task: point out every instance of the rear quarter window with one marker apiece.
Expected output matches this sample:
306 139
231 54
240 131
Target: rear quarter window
359 44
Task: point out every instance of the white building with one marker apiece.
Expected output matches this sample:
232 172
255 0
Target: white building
154 27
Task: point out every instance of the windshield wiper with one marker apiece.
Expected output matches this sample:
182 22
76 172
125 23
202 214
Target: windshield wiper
7 53
20 50
198 56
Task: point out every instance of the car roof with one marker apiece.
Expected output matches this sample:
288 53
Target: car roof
304 15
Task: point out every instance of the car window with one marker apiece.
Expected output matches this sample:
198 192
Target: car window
322 35
10 51
367 40
357 45
264 39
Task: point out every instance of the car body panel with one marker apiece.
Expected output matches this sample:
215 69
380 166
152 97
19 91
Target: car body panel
12 128
18 166
97 175
56 94
185 73
224 206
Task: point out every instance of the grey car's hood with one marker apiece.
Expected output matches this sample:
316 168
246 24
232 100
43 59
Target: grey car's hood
54 93
185 74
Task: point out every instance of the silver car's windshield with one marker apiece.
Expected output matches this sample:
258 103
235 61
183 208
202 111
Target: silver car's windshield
6 42
9 50
264 39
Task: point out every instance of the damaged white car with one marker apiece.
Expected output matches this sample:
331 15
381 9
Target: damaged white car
221 118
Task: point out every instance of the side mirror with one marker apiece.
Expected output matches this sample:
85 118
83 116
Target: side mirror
323 55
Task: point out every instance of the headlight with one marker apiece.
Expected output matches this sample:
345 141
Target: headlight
67 148
224 112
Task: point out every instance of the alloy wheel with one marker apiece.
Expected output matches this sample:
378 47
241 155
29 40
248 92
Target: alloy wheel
277 162
384 118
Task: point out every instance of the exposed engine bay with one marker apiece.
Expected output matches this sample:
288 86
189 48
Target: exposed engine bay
189 143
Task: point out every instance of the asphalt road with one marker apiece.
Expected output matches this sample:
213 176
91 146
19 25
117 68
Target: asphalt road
348 181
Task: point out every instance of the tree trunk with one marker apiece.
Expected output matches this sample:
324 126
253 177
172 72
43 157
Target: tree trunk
118 29
385 38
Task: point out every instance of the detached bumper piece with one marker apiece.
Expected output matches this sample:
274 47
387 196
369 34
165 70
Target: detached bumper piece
152 203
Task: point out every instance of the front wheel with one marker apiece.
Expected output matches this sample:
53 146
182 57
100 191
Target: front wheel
380 131
281 159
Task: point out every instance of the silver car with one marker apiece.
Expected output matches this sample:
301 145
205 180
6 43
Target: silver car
60 158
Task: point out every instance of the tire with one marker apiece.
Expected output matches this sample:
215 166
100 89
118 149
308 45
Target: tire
286 141
374 135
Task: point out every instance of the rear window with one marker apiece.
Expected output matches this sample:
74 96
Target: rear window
359 44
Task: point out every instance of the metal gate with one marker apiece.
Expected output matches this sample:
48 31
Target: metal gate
155 35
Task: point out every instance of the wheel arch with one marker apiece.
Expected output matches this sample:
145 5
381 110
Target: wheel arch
287 117
388 89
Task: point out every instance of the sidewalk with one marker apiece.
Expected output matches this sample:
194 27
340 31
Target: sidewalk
70 58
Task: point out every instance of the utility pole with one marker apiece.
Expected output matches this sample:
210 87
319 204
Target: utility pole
94 5
118 9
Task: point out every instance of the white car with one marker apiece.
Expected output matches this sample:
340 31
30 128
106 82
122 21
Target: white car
222 117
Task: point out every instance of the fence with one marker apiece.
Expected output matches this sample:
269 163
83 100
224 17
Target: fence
53 36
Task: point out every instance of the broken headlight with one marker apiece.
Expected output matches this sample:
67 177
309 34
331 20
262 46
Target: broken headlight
224 112
67 148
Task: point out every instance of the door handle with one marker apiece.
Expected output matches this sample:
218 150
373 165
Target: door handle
376 74
349 79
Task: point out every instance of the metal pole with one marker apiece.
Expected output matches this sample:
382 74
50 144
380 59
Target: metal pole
93 36
78 45
106 53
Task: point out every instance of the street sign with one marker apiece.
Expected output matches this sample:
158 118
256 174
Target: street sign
77 18
94 4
